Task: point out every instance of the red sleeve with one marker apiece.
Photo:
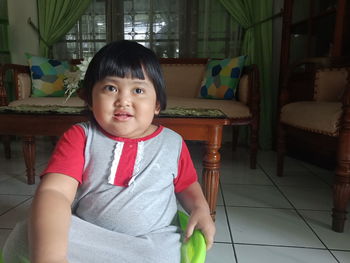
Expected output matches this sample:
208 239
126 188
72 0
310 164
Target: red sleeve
187 174
68 156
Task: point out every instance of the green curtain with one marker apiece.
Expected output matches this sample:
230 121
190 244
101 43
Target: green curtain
56 18
257 44
4 38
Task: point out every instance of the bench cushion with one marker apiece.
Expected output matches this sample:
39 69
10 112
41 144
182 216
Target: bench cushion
318 117
232 109
49 101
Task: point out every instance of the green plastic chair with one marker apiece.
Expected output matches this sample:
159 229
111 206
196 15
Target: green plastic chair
195 249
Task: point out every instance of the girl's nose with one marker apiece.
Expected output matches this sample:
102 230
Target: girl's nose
123 100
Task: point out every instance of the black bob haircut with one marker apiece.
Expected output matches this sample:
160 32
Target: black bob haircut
124 59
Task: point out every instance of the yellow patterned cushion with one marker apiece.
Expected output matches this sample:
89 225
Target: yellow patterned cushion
47 76
222 77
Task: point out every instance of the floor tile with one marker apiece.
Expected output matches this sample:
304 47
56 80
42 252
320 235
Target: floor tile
4 233
309 197
254 196
303 178
342 256
243 175
222 229
18 185
263 224
12 167
321 222
274 254
19 213
219 200
268 161
8 202
220 253
270 227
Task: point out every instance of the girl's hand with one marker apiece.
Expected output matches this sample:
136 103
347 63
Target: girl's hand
200 219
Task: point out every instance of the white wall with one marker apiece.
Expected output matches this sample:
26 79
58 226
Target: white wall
22 38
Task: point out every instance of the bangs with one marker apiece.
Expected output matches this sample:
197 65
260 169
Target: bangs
121 66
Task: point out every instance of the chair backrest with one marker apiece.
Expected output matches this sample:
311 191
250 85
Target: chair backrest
330 83
317 79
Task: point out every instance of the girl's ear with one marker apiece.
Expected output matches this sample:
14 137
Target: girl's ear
157 110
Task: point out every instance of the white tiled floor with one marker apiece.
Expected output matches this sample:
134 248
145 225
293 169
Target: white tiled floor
260 217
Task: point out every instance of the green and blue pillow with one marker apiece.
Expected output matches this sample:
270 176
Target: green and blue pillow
222 78
47 76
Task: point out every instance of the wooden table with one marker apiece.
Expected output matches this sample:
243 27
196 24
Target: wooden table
208 130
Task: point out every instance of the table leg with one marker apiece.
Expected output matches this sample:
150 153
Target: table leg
29 157
211 167
6 140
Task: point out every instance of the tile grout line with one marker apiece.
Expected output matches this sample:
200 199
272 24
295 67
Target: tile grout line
287 246
297 212
14 207
319 177
228 223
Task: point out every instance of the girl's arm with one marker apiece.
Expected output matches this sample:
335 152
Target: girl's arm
50 218
193 201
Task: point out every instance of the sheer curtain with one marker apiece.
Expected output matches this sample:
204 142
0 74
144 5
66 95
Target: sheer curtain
176 28
172 28
257 44
86 36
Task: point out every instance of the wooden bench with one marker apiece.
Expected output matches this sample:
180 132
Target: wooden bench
183 78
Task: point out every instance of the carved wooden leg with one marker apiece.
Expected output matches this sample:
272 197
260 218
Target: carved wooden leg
29 157
341 187
254 143
211 166
341 194
281 149
235 133
6 140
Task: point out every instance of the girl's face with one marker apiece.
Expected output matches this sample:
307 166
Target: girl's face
125 107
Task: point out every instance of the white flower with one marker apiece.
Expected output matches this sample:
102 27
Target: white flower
73 79
83 67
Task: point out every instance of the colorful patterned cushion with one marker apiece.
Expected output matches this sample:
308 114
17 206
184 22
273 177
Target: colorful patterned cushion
222 77
47 76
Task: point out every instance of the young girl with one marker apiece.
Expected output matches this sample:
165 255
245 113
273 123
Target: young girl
109 191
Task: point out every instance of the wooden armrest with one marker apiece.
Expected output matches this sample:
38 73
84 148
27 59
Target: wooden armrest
346 95
16 70
253 92
299 81
3 94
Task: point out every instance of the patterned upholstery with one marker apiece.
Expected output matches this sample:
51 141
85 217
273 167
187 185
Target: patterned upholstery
330 84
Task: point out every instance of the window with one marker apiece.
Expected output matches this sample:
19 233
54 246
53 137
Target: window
87 36
171 28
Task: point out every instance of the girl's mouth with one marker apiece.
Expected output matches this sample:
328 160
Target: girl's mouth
122 116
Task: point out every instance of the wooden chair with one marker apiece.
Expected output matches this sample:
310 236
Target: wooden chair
315 104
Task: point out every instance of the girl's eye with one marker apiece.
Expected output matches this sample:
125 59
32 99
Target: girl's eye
110 88
138 91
